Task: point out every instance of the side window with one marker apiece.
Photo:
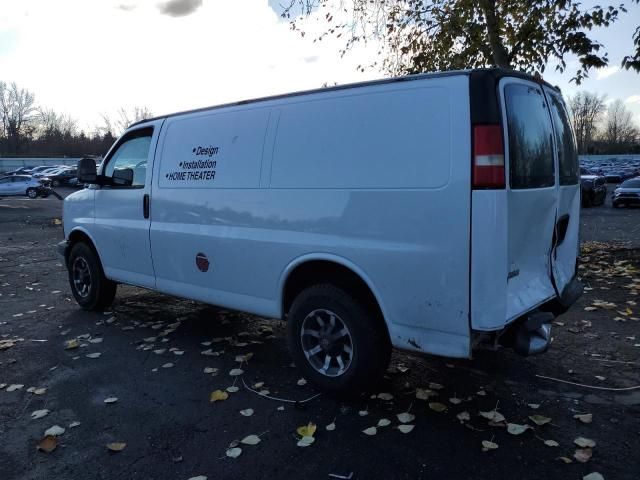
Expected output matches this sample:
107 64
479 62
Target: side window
531 162
567 155
131 153
5 180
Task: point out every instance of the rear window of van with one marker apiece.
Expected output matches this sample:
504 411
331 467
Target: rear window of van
531 162
567 154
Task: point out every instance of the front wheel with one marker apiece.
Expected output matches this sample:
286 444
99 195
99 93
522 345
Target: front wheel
91 289
32 193
338 344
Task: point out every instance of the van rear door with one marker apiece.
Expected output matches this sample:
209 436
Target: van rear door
532 195
566 241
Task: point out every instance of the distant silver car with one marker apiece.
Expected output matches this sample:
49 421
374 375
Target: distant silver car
628 193
24 185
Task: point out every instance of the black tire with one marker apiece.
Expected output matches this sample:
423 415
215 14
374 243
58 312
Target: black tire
32 193
100 291
371 349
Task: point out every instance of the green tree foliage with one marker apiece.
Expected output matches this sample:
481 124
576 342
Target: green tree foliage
429 35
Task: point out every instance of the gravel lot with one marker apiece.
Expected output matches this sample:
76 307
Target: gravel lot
151 360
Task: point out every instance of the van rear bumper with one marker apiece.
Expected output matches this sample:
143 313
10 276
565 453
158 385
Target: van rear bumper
530 334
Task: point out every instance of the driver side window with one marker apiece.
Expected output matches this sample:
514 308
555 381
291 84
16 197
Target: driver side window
132 155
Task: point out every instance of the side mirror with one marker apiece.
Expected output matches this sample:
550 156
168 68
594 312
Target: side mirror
122 177
87 171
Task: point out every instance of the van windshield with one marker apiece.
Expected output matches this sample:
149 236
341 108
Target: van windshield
634 183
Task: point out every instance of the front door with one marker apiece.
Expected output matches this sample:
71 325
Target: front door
121 217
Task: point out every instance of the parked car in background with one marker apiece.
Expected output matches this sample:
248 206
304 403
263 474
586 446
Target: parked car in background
628 193
593 190
41 168
24 185
19 171
47 171
63 176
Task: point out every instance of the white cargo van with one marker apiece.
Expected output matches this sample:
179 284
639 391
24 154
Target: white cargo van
430 213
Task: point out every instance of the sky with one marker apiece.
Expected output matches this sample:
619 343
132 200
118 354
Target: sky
92 57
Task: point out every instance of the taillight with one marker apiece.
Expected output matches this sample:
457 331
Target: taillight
488 157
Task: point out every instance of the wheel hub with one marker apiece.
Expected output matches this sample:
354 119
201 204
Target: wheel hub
81 277
326 343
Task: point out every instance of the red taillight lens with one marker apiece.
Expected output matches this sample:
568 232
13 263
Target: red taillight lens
488 157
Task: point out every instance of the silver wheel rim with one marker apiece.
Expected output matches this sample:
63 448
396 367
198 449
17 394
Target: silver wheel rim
326 343
81 277
32 194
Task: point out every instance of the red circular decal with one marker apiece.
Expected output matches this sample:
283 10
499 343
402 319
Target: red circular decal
202 262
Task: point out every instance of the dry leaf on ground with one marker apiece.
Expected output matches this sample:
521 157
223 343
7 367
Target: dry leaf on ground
437 406
487 445
307 430
406 417
48 444
539 419
583 455
234 452
218 395
584 418
116 446
516 429
405 428
493 415
36 414
251 440
306 441
54 431
584 442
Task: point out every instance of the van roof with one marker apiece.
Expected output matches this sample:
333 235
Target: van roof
483 75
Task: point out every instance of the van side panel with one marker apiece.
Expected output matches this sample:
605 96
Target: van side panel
372 141
378 175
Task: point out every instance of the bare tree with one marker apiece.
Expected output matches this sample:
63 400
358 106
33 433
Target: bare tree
18 114
124 118
619 129
586 111
52 123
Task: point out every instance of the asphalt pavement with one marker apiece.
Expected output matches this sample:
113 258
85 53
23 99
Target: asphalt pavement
161 358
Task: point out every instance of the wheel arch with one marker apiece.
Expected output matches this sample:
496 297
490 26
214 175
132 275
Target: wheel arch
79 234
312 269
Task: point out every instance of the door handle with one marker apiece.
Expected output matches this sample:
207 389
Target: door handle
145 205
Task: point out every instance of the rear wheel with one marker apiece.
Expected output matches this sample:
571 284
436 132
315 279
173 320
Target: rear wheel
91 289
336 341
32 192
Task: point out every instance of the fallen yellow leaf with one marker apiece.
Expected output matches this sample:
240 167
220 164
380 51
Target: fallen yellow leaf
218 395
307 430
116 446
